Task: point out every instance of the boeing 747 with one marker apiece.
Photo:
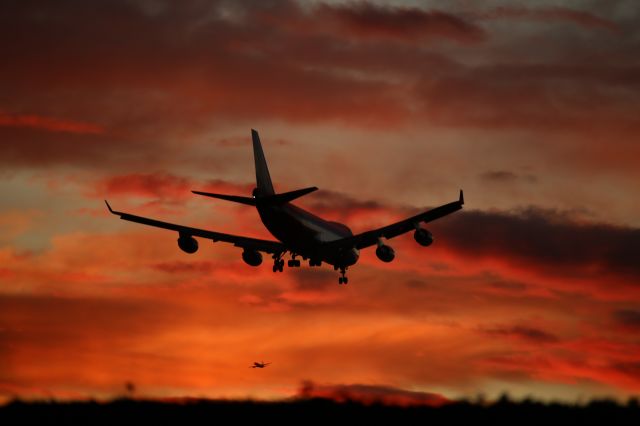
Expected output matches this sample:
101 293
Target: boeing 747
299 232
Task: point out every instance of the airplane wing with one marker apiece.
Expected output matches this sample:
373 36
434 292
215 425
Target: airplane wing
272 247
370 238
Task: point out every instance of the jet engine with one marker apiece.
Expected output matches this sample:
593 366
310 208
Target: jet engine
188 244
423 237
252 257
385 253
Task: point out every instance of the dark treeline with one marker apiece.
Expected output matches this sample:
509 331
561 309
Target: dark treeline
301 412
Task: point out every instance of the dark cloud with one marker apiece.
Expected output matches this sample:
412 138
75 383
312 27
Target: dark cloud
531 334
366 20
186 65
630 369
561 14
370 394
568 96
628 318
504 176
546 239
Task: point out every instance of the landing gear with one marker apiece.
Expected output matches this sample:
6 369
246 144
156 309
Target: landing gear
315 262
278 263
343 279
293 263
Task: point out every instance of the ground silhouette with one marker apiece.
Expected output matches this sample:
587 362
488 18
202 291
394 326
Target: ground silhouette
303 411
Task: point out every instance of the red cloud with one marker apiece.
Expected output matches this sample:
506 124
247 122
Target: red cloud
371 394
164 185
148 185
48 123
526 333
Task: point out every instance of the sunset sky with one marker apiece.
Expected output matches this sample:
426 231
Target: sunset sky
533 108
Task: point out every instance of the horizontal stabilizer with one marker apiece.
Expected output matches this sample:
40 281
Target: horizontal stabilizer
250 201
286 197
283 198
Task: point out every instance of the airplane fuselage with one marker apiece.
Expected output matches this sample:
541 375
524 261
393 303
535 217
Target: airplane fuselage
307 233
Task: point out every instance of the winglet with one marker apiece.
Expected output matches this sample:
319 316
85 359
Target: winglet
461 200
109 207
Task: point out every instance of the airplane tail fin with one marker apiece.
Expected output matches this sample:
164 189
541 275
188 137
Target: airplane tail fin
264 193
263 179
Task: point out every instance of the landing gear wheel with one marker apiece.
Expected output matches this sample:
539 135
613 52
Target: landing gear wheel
293 263
278 264
343 279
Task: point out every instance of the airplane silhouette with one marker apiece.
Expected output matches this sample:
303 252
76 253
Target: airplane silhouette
260 364
298 231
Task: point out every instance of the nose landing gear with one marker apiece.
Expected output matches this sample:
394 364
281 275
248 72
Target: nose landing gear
343 278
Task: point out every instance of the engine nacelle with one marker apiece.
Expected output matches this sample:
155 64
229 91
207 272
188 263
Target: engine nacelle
188 244
423 237
385 253
251 257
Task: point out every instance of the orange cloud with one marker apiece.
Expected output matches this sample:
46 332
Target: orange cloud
48 123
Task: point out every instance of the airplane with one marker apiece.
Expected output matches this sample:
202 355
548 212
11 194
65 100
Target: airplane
260 364
298 231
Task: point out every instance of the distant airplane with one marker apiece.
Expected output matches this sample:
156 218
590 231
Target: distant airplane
260 364
299 232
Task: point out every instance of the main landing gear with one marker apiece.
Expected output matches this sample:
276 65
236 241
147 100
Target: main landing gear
293 263
343 279
278 263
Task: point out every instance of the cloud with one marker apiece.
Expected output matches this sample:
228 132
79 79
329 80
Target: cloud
544 239
371 394
164 186
48 123
146 185
505 176
192 67
526 333
368 20
560 14
627 318
540 96
180 267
